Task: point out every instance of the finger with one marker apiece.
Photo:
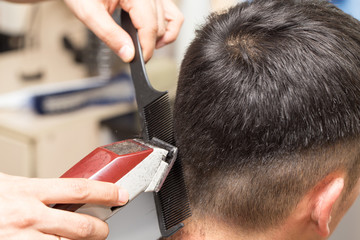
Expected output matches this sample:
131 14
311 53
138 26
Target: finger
72 225
76 190
160 19
50 237
4 176
175 20
144 18
33 234
97 18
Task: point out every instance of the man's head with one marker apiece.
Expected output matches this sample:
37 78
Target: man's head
268 111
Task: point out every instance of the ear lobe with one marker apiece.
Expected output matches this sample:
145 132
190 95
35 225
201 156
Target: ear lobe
325 200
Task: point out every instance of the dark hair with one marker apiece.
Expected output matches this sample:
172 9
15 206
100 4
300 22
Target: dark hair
268 99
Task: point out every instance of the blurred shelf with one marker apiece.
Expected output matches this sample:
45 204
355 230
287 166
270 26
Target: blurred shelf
46 146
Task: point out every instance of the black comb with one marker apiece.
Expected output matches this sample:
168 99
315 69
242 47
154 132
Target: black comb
172 204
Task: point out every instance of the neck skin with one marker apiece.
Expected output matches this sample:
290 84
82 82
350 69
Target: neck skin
209 229
295 227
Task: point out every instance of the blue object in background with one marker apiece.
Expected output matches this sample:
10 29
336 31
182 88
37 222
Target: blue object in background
115 90
351 7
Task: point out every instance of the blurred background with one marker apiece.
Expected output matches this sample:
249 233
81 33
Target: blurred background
63 92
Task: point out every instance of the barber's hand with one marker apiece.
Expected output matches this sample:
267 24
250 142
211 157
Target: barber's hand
24 213
158 23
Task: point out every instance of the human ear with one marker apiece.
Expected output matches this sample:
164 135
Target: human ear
325 198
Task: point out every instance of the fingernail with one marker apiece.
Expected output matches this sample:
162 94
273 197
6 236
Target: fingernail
126 53
123 196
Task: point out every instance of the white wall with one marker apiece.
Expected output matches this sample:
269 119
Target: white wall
348 228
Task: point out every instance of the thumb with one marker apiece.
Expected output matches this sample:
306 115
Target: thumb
100 22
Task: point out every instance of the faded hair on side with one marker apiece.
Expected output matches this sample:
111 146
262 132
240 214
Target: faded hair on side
268 104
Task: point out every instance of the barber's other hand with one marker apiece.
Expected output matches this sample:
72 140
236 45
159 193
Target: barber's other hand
24 213
158 23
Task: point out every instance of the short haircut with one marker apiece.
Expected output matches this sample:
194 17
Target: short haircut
268 104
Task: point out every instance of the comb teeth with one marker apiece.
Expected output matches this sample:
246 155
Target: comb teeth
172 200
158 120
173 196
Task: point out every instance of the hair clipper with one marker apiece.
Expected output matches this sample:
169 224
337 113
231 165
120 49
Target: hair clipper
134 164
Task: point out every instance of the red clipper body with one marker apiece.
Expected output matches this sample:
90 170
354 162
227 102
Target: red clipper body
135 165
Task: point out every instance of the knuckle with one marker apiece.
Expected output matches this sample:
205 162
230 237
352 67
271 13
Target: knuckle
111 195
80 188
153 29
26 222
23 219
84 228
161 32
